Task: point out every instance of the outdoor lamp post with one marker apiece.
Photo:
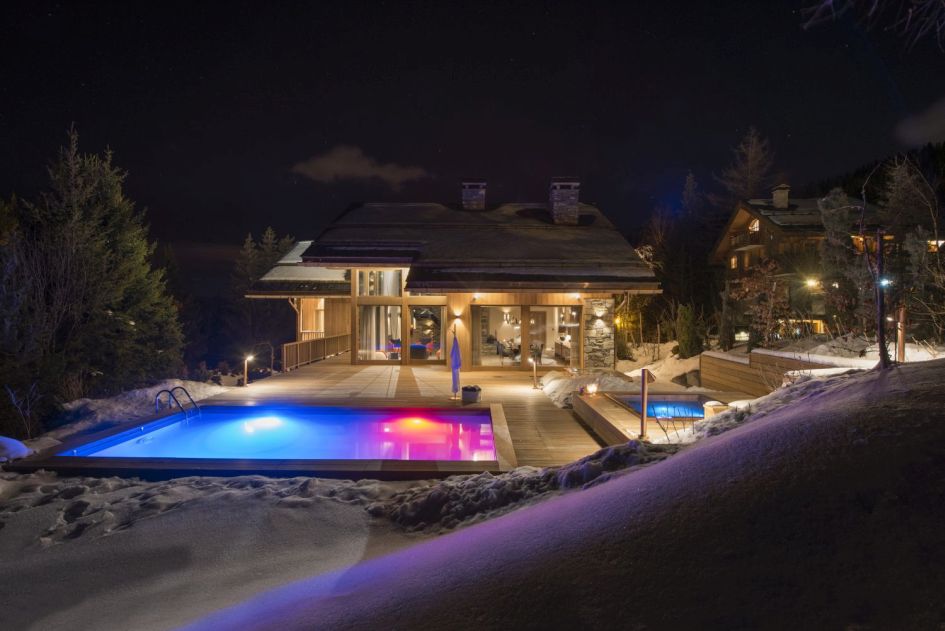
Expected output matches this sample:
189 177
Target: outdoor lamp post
246 361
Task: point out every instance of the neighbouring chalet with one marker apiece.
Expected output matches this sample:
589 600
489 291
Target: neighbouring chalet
516 282
790 231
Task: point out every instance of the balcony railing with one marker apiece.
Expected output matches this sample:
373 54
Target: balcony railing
745 240
295 354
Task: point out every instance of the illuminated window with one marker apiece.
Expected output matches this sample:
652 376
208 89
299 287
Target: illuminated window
380 282
733 263
935 246
754 226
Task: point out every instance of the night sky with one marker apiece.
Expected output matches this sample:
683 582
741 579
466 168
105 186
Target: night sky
217 111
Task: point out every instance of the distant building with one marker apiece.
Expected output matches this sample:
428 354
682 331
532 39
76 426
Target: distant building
516 282
790 231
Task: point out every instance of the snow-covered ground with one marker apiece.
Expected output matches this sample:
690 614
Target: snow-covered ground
560 385
826 513
796 502
92 415
665 368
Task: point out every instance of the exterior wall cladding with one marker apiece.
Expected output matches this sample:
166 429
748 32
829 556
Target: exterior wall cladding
599 333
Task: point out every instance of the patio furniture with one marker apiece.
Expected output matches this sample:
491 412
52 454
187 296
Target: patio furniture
419 351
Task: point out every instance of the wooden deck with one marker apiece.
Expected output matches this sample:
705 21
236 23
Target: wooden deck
541 433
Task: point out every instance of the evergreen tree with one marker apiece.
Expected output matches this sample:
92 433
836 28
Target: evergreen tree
750 172
693 203
251 322
86 314
687 332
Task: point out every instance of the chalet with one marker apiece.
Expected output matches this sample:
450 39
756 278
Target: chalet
517 283
790 231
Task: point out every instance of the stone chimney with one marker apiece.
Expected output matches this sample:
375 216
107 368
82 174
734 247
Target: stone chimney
563 200
474 194
781 196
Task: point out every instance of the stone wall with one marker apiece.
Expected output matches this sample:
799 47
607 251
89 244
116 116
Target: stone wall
599 333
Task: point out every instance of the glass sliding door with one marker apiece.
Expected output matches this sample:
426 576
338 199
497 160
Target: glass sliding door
497 336
553 336
379 333
426 333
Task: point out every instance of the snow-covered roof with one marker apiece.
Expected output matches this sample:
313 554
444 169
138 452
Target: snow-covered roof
515 245
294 256
290 278
800 213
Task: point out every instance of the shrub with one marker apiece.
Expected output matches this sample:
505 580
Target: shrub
687 333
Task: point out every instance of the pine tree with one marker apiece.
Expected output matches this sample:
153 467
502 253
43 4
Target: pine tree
750 171
91 316
254 321
687 332
693 203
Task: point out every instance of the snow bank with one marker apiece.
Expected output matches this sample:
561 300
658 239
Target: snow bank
101 506
804 387
12 449
669 367
445 504
115 553
85 415
560 385
823 514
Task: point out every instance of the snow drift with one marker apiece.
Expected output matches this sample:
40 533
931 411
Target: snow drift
560 386
445 504
92 415
12 449
825 513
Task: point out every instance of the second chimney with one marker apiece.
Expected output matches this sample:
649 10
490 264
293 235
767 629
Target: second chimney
563 200
474 194
781 196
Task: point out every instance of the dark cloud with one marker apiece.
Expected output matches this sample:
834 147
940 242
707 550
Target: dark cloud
346 162
928 126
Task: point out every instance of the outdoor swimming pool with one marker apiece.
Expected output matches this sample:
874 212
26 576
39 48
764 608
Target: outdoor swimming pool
240 439
664 406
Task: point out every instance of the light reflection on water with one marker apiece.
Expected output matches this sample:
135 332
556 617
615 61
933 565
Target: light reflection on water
308 433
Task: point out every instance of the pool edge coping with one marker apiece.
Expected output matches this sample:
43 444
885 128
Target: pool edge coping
166 468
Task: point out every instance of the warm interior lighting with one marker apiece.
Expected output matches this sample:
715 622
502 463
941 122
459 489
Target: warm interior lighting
592 388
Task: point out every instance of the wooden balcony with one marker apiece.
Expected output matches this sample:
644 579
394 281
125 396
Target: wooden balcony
745 240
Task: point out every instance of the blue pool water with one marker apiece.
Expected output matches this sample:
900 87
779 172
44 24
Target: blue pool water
664 407
305 433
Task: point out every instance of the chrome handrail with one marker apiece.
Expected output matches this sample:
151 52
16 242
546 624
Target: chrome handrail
171 397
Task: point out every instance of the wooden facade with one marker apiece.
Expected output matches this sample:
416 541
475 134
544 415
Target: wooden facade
514 284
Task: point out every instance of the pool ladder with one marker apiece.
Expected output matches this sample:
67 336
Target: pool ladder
194 410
